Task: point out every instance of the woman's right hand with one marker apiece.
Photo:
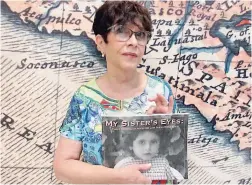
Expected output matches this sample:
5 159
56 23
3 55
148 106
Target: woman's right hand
132 174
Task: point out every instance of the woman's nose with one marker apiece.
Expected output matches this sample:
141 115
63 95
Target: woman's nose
132 40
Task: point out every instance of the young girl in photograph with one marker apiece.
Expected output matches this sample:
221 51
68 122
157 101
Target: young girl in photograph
148 146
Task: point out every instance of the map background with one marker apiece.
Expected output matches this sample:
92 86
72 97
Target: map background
37 99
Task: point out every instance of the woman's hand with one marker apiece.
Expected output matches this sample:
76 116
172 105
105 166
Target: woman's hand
162 105
132 174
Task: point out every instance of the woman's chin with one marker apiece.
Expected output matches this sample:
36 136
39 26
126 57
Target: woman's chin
129 66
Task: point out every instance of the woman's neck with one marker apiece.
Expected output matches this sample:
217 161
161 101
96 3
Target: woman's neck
122 84
123 79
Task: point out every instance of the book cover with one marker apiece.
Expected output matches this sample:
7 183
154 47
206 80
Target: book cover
157 139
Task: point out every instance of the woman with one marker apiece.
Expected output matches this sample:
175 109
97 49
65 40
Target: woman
122 30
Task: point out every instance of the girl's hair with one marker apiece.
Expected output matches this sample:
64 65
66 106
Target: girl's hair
120 12
130 137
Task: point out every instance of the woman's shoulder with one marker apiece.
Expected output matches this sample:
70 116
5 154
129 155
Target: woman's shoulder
88 90
158 85
87 86
155 81
154 78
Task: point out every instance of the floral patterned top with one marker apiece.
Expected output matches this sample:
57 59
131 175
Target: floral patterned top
88 105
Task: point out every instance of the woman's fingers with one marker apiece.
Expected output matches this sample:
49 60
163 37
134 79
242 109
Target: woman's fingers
162 105
151 110
159 100
171 104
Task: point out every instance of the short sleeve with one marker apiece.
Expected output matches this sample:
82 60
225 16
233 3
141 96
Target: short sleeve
168 93
71 126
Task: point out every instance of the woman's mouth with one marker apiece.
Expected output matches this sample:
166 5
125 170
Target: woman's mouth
129 54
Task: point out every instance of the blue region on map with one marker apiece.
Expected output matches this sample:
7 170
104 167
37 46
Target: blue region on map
234 47
210 2
201 49
182 24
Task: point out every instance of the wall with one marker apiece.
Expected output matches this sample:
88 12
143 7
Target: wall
202 49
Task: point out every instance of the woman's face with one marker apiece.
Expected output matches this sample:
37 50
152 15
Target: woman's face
122 53
146 145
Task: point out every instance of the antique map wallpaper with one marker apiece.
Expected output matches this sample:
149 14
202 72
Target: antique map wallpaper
201 48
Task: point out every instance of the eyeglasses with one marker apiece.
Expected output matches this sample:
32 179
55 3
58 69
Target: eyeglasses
123 34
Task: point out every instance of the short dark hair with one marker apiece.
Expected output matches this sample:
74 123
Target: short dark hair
120 12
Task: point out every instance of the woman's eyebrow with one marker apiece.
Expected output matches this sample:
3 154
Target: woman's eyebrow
141 28
137 25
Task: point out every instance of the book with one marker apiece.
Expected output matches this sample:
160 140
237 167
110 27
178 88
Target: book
159 139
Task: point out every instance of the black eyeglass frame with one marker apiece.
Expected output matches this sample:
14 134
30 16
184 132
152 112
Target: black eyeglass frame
132 32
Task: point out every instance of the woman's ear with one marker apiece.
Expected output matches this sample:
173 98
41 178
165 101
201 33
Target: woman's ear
100 44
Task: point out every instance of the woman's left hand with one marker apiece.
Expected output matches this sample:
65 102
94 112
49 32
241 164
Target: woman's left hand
162 105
